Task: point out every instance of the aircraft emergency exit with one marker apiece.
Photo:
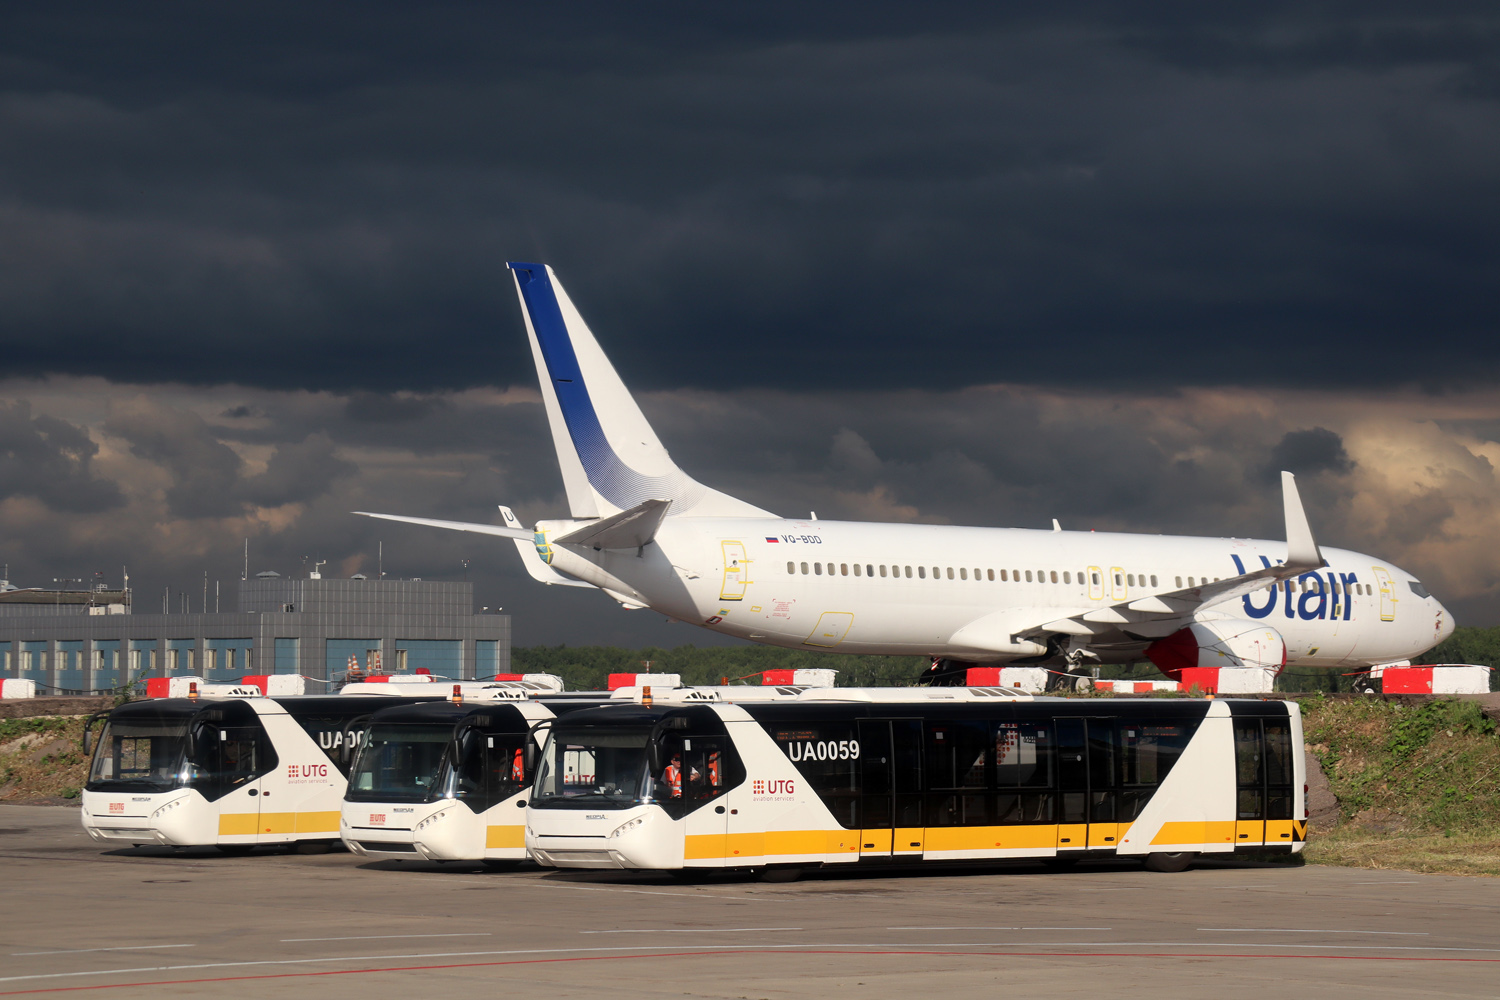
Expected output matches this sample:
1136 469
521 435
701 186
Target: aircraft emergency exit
650 536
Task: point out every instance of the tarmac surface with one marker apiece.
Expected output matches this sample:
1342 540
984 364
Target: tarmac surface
150 923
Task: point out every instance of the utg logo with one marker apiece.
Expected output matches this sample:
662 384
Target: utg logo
780 786
307 770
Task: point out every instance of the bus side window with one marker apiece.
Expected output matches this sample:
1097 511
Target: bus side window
957 782
1024 762
1148 748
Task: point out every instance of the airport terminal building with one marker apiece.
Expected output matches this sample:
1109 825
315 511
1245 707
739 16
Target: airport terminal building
77 642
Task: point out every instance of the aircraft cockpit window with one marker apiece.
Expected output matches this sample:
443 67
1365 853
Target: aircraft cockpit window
1417 588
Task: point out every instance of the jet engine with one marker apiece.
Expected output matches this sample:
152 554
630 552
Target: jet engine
1233 642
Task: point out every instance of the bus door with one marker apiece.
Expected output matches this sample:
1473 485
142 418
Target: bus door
1085 773
697 774
231 762
1263 782
890 785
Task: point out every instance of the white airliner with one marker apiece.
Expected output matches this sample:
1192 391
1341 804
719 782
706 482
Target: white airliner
651 536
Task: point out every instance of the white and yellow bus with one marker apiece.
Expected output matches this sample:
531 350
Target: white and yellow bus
233 773
442 782
897 777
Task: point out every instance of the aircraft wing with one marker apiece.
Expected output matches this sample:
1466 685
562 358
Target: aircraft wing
482 529
1162 614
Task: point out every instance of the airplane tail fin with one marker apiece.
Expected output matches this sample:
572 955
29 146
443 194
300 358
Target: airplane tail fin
611 459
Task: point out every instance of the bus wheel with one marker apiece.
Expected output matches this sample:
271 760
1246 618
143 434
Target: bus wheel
1173 862
236 850
780 874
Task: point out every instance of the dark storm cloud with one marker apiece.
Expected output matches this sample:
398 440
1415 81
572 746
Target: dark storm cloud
870 196
1308 452
50 459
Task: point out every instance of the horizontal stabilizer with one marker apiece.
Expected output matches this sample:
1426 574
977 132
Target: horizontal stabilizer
629 529
539 570
481 529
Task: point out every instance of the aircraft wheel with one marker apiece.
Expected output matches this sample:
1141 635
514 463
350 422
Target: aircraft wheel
1175 861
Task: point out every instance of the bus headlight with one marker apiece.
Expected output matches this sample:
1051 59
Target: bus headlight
430 820
158 814
626 827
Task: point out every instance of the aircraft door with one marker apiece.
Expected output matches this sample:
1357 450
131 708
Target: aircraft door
1388 597
1096 583
736 571
1117 589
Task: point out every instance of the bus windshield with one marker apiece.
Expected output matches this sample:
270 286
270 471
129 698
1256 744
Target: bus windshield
399 763
589 767
141 755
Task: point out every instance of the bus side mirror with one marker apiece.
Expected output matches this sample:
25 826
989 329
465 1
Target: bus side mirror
88 732
528 763
656 757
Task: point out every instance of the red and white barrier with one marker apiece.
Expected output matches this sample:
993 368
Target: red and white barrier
1032 680
17 687
654 681
815 677
1438 678
1136 687
272 685
1229 680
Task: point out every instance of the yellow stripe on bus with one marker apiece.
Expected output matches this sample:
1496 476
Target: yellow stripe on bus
1196 832
318 822
504 836
251 824
238 824
981 838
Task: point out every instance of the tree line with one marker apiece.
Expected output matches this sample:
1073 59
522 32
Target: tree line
587 668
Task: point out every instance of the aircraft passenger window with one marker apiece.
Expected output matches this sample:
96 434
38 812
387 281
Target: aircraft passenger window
1179 583
1015 575
992 574
1067 576
976 572
882 569
856 569
1028 576
963 573
869 570
1190 581
1054 576
937 573
908 572
950 572
804 569
1004 575
1130 579
843 569
922 572
818 568
791 567
1153 579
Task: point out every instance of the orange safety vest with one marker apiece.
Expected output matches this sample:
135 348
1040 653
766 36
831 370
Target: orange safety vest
713 769
518 766
673 777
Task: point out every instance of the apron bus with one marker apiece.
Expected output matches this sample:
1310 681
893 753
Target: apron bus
408 799
230 773
949 775
442 782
